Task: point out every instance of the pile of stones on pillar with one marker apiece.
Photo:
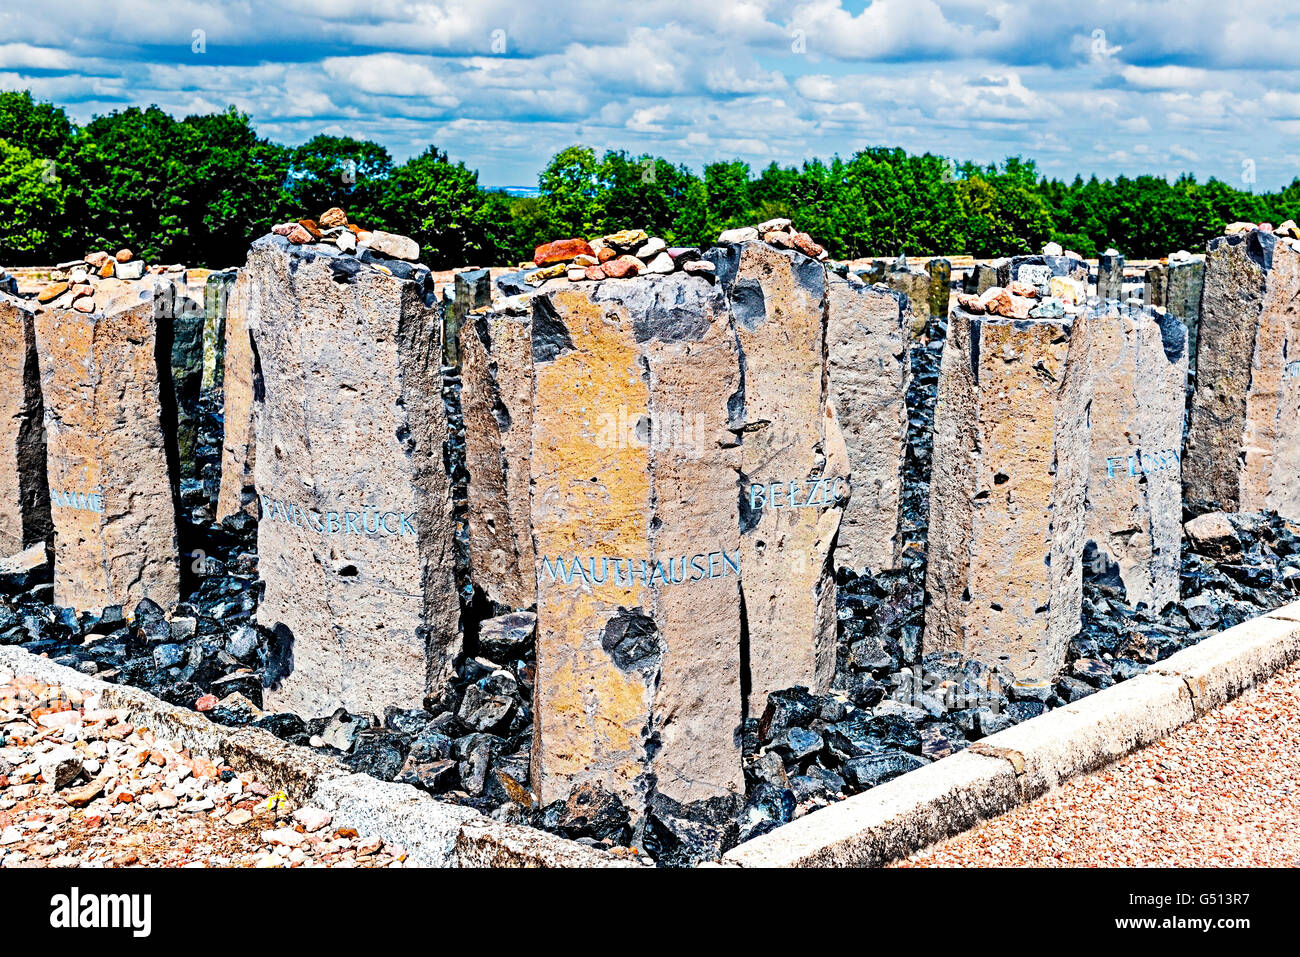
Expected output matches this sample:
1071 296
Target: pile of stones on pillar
845 701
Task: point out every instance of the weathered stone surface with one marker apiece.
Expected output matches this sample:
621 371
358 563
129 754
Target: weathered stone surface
216 296
174 307
1134 506
914 283
1243 447
561 251
1155 284
1011 449
355 541
639 612
940 271
794 466
497 404
472 289
1012 269
238 443
1184 285
869 370
110 437
1110 276
24 492
981 278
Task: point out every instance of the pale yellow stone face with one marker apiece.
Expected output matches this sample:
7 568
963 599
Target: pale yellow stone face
631 460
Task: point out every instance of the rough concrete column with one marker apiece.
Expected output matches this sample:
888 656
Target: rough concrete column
355 540
639 612
1243 447
1134 510
1006 499
238 442
110 442
1110 276
472 290
914 283
795 466
869 370
1155 284
497 403
1184 286
24 491
940 271
216 296
175 307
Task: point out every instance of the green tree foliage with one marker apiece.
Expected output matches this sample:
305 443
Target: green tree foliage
199 190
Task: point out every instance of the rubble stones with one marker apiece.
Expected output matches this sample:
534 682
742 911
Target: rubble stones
112 461
794 465
24 491
1134 506
637 536
497 404
868 367
1006 499
355 540
1243 452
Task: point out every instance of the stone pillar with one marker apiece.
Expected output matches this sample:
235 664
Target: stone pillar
1153 286
175 307
1011 449
981 278
869 370
1184 286
473 290
216 295
915 284
238 442
497 403
1110 276
24 492
1134 510
355 540
1243 446
110 444
639 610
940 271
794 466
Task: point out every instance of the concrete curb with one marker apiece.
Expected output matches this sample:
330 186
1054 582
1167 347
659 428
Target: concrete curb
435 833
1015 766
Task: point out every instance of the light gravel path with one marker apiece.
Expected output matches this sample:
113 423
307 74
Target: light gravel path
1221 791
81 787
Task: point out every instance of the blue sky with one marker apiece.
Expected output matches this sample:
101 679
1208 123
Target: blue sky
1112 86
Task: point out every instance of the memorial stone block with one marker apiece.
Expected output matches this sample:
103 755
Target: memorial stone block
216 296
869 371
794 465
914 283
472 290
1110 276
238 442
639 558
1184 285
1243 447
180 318
1011 447
1134 508
24 491
497 404
110 443
940 271
355 539
1067 267
1153 286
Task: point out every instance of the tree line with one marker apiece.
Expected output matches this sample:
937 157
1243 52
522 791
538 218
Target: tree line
199 189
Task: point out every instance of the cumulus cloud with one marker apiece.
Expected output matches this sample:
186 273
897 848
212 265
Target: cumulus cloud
1112 86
